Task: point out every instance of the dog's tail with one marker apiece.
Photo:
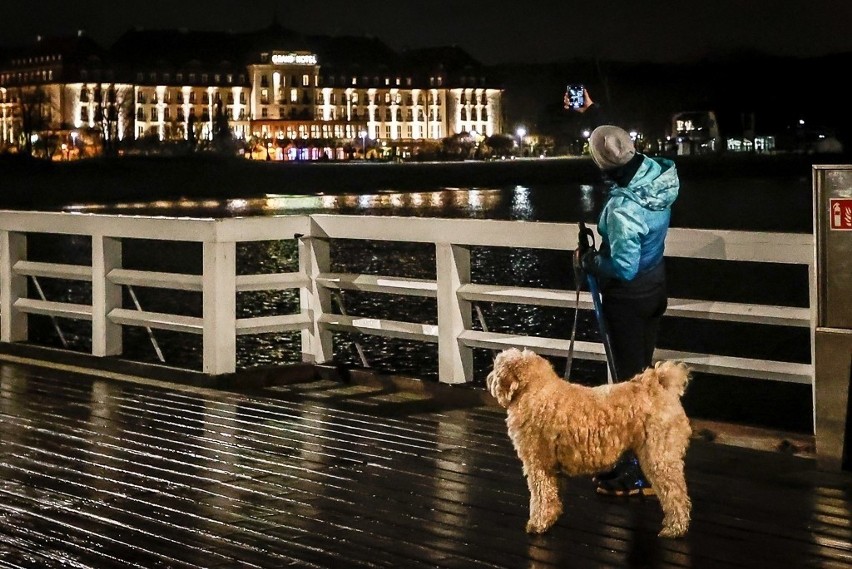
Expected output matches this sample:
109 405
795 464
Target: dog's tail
673 376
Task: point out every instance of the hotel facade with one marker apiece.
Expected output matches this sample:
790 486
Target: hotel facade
291 96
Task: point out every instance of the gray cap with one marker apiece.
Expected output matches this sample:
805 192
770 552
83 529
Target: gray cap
611 147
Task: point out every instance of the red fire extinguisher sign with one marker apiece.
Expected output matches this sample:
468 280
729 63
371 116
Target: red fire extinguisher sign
840 214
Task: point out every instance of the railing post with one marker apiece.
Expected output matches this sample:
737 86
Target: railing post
455 362
314 259
219 285
106 256
13 248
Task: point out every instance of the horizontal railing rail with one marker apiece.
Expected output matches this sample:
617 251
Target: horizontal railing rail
453 289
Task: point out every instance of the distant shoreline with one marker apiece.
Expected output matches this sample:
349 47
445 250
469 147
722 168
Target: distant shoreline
33 184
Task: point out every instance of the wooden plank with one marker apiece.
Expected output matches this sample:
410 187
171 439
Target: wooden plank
277 281
157 320
267 324
53 270
677 307
51 308
154 279
381 284
380 327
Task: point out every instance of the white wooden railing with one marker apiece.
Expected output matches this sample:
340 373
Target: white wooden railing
453 289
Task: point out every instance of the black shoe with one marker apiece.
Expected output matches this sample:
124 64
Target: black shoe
628 481
616 469
607 474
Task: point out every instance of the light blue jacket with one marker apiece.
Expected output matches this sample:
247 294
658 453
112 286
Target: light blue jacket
635 220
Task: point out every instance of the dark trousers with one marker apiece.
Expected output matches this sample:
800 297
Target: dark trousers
633 323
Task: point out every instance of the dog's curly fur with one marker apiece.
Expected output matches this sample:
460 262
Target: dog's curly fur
559 427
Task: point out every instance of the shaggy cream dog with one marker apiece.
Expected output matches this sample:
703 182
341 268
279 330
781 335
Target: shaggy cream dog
557 426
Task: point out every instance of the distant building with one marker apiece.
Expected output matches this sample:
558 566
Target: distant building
695 132
291 95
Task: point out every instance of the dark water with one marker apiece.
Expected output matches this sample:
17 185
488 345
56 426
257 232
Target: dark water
759 204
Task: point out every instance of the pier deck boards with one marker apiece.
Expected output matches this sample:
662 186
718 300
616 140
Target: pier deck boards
100 473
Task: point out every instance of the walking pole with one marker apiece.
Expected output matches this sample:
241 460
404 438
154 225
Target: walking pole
587 242
578 279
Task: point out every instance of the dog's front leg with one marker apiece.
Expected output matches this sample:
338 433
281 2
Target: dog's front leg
545 505
669 482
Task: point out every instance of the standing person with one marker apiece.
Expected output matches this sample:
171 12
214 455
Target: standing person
630 266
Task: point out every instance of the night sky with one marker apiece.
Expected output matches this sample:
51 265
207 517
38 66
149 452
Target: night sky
493 31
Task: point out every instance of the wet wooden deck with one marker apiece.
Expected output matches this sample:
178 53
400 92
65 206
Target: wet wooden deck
102 473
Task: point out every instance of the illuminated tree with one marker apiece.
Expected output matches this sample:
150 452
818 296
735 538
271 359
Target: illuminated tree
36 111
111 105
500 144
223 136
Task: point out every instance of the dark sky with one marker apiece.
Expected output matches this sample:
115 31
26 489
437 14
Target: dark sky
493 31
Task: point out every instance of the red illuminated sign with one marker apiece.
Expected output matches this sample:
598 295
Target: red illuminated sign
840 214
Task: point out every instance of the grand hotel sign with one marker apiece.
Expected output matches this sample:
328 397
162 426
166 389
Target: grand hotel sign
293 58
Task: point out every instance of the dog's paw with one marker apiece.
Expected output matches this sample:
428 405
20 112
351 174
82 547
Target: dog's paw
537 528
673 532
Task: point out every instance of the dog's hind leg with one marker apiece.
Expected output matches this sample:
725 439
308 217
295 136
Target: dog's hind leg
668 480
545 503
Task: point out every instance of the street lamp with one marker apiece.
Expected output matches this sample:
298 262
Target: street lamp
522 132
363 134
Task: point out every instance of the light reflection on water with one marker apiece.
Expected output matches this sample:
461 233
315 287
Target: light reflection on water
507 203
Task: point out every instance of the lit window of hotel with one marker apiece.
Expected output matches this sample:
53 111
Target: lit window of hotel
154 114
192 97
229 78
264 96
264 112
217 78
294 95
166 114
306 80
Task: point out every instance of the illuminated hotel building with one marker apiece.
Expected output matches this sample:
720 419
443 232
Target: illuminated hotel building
272 85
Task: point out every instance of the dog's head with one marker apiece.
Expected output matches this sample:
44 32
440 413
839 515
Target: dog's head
513 368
